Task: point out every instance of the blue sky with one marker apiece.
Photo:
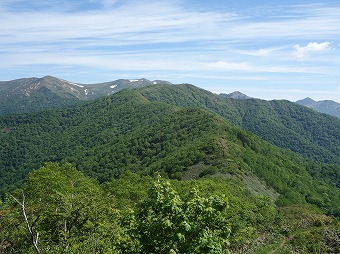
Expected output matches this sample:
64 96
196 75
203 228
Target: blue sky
266 49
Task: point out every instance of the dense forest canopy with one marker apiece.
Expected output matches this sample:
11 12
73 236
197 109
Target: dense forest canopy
280 122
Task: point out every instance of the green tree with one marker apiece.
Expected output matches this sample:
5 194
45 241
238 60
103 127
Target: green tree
167 224
68 211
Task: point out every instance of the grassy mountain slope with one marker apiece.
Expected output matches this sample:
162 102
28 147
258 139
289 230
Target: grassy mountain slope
41 100
37 94
283 123
127 131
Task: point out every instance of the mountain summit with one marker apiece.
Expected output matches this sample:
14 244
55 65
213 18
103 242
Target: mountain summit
327 106
35 94
235 95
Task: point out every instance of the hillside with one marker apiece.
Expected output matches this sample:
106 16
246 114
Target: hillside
237 192
37 94
328 107
33 94
127 131
282 123
70 213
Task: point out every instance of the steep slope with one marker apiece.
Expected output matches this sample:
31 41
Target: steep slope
328 107
36 94
126 131
283 123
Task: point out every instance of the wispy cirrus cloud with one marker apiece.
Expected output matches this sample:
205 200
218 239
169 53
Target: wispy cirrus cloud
169 37
155 22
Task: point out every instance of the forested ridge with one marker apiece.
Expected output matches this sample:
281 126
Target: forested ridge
245 194
282 123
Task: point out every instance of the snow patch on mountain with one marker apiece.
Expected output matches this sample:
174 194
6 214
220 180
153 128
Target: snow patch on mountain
76 84
71 83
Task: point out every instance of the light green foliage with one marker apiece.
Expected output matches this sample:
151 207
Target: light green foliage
129 190
67 209
171 225
71 213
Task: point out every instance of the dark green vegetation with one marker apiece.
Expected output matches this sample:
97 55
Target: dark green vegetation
129 132
282 123
278 201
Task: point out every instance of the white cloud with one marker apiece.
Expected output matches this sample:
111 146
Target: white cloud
303 52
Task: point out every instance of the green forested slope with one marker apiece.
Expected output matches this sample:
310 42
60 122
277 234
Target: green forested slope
294 127
128 132
282 123
186 95
247 196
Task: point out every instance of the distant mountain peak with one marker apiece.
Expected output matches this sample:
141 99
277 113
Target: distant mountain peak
159 82
306 101
33 93
235 95
327 106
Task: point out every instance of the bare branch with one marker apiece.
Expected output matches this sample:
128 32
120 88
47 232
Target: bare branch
34 238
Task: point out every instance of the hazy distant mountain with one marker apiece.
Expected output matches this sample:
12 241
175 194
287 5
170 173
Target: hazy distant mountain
35 94
235 95
327 106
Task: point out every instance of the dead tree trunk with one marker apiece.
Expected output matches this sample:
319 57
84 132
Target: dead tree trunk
33 235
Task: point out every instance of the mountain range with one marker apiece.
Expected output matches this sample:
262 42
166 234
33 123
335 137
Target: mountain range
326 106
278 156
161 127
36 94
279 122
